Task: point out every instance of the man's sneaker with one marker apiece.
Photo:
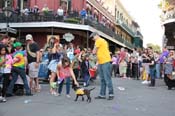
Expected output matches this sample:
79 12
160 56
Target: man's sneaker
110 98
68 96
100 97
3 99
145 82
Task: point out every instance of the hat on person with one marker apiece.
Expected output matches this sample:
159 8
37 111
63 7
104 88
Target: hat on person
93 34
17 44
29 37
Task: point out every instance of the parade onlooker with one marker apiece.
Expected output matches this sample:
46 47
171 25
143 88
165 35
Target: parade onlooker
157 56
135 66
55 57
83 14
129 68
76 66
169 67
60 11
45 9
114 65
5 70
18 69
122 63
65 71
152 67
33 57
169 64
162 57
85 70
70 51
35 9
4 39
145 64
101 48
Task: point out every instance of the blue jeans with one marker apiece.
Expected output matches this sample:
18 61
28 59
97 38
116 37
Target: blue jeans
67 86
15 73
104 71
86 78
153 72
158 70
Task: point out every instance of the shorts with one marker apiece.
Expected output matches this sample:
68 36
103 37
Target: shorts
53 65
33 72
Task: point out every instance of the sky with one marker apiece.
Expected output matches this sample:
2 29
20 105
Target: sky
146 13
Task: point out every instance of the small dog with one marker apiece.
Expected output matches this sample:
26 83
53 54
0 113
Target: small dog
81 92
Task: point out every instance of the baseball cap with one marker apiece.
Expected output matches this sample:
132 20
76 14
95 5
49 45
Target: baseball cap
93 34
17 44
29 37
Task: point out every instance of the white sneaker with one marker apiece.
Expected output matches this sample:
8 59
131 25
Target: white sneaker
3 99
68 96
56 94
84 84
145 82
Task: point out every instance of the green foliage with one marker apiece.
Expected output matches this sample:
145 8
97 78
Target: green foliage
155 47
72 20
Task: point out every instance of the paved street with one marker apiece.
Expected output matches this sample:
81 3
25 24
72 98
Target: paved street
135 100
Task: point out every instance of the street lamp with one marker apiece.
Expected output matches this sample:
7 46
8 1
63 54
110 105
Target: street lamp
8 12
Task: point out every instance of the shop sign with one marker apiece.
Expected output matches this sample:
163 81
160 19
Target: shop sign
68 37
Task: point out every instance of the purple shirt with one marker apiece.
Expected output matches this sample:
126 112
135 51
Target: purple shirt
163 55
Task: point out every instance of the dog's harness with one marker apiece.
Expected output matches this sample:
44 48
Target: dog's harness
80 92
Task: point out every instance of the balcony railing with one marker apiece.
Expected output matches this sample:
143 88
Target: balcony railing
127 28
73 18
168 15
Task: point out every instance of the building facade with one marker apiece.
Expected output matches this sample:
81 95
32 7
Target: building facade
107 17
168 22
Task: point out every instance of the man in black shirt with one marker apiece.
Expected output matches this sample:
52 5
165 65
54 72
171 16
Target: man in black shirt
33 61
152 66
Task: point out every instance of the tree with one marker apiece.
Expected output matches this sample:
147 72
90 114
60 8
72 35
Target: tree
154 46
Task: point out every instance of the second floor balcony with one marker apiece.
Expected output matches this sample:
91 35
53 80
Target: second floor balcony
168 15
72 18
126 27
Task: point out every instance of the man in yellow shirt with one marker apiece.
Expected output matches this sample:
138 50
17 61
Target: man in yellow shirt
101 49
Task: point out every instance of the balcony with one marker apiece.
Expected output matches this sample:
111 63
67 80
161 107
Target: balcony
74 18
168 15
125 27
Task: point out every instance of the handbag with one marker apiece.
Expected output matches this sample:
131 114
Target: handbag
43 70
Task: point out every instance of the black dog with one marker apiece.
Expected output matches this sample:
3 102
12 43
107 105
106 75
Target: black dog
81 92
169 82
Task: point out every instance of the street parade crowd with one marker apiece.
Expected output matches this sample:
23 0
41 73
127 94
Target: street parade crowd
63 63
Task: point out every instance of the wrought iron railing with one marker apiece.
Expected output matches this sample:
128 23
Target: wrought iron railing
72 18
168 15
126 27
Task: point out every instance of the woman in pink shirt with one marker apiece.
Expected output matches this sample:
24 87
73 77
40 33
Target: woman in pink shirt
65 72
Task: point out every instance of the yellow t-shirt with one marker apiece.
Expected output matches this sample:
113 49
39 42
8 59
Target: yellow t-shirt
103 54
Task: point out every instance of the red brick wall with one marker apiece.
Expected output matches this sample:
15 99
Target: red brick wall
52 4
